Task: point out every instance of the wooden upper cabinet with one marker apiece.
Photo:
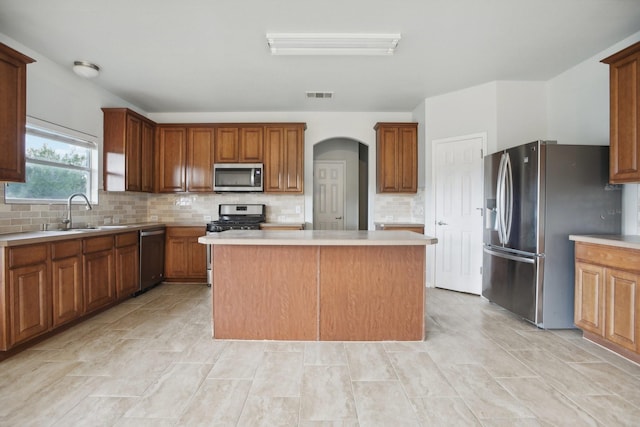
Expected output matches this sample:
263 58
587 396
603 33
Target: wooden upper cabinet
171 158
239 144
397 157
128 151
200 146
624 82
284 158
13 113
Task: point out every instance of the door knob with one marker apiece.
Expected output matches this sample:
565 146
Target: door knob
441 223
338 217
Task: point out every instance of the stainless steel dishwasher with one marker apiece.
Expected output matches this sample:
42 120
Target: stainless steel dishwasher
151 257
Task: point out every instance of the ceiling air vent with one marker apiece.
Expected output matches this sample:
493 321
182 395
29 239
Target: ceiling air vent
319 95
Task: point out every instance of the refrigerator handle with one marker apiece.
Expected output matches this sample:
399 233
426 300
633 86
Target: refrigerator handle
510 257
499 198
508 190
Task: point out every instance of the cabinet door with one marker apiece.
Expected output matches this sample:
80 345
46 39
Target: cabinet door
197 256
589 298
99 281
621 319
176 262
284 157
133 154
397 157
624 77
67 289
408 160
387 151
226 146
30 302
172 164
185 258
200 147
146 158
13 87
250 147
127 271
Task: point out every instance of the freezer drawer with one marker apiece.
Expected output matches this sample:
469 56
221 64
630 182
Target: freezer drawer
511 281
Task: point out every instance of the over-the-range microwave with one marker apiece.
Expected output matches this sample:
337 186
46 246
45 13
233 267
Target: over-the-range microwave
237 177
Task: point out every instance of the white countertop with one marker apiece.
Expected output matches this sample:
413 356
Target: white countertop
318 238
622 241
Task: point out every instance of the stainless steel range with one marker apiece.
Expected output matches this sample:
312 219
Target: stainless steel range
234 217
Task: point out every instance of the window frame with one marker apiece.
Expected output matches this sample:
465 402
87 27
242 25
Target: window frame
52 131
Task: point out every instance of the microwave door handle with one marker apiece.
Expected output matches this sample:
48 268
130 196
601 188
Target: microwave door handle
253 177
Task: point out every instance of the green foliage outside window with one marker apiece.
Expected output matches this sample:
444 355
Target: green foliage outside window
54 170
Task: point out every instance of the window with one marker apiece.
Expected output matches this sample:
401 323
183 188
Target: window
59 162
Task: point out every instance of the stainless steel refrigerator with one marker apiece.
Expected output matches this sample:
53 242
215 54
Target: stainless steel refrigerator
536 195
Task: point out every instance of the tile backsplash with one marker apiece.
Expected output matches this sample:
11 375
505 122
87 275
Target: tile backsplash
405 208
130 208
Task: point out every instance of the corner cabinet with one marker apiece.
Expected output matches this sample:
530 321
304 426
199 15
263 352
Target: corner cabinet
624 86
13 113
284 158
128 151
397 157
607 296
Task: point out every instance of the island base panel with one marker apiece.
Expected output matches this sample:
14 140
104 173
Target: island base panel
372 293
265 292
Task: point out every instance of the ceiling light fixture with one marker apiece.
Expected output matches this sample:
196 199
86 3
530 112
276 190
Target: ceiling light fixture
86 69
332 44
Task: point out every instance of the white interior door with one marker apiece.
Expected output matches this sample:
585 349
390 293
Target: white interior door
328 194
457 166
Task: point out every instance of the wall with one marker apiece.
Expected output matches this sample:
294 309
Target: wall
56 95
321 126
578 111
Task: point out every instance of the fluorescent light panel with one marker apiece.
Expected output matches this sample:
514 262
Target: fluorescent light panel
332 44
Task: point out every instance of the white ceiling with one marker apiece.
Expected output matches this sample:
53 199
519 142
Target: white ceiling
212 55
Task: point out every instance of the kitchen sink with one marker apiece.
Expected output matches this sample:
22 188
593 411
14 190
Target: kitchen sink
112 227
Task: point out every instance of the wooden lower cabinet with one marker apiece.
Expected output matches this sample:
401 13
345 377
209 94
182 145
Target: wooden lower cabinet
29 297
44 286
185 258
621 308
589 298
66 281
607 296
127 264
99 269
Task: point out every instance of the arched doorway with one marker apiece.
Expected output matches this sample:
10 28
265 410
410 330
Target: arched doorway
340 184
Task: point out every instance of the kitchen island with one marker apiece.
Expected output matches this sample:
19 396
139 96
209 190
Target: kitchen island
318 285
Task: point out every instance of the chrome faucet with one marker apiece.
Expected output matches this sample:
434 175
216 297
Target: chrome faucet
67 221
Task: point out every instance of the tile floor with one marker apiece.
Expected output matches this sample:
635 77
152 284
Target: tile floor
151 361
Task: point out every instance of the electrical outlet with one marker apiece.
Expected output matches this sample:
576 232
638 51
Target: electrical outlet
153 217
207 217
298 210
107 220
116 220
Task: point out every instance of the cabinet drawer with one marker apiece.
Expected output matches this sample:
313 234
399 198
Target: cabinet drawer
66 249
610 256
126 239
186 231
96 244
27 255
